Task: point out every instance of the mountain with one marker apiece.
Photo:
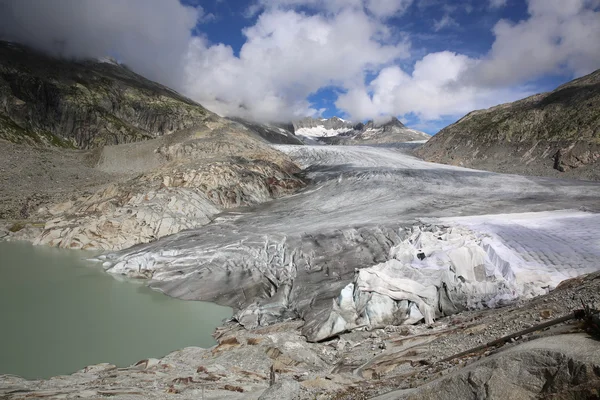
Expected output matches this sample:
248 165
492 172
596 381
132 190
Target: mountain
392 131
84 104
553 134
338 131
94 156
316 128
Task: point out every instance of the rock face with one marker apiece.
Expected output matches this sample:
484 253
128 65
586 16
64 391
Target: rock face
331 124
338 131
272 133
551 134
84 104
563 367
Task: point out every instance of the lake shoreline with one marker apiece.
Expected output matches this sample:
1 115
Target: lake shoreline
61 312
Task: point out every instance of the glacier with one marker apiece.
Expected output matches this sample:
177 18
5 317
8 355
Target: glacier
379 237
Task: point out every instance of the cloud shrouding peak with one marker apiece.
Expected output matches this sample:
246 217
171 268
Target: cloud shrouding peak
149 35
292 49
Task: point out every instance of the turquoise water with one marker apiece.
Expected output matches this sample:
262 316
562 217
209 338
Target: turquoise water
60 313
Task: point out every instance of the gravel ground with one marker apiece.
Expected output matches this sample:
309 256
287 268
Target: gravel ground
31 177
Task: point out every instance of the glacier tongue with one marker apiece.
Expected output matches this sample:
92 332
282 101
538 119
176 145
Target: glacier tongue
507 257
296 256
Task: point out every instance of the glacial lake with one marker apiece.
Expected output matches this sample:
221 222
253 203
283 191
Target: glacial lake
60 313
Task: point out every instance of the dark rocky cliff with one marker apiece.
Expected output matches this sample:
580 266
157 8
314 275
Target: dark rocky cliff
84 104
552 134
271 133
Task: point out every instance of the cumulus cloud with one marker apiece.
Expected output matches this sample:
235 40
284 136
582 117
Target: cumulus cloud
559 37
430 92
286 57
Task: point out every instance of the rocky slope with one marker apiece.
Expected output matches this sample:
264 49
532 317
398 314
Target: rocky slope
150 189
153 163
553 134
84 104
182 181
338 131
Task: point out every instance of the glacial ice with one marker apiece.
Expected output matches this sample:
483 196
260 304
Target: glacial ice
343 252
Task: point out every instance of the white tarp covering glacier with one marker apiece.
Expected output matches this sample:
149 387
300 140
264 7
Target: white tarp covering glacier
471 262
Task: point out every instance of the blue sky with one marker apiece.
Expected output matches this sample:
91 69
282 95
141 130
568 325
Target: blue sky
427 62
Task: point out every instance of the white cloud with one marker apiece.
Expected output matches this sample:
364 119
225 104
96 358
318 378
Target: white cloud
498 3
559 37
445 22
286 57
431 92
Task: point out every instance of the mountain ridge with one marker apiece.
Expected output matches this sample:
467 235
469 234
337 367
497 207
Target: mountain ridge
47 101
339 131
556 134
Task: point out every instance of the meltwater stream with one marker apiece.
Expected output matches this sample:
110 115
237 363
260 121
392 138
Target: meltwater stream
60 313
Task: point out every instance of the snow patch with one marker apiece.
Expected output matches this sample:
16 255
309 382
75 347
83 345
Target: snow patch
108 60
320 131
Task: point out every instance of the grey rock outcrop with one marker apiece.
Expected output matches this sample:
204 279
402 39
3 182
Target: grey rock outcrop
552 134
563 367
286 389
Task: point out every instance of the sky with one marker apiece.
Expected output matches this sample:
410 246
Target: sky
427 62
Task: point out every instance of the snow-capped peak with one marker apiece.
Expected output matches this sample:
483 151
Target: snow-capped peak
390 130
